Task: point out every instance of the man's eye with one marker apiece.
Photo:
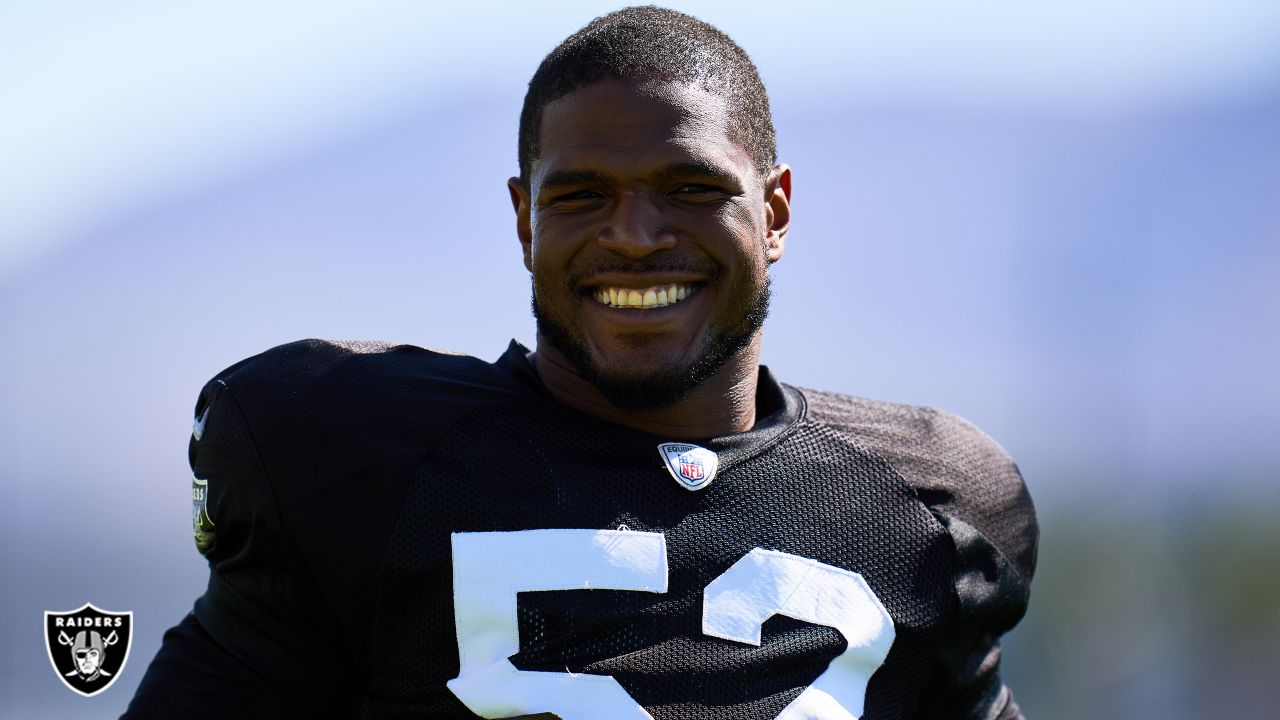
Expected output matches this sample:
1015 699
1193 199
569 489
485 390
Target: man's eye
698 193
577 195
694 191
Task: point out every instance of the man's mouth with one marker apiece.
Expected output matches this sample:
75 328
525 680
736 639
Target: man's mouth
643 298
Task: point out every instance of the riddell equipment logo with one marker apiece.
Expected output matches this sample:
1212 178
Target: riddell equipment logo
88 647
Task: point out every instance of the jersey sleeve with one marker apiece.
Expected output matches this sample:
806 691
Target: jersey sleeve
252 641
976 492
983 503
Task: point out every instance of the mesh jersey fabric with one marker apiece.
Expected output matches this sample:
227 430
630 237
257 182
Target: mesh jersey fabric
337 473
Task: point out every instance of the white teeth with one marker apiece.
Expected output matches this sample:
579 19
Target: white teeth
646 298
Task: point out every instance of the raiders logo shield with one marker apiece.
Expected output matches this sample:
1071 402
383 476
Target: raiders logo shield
88 647
201 523
692 466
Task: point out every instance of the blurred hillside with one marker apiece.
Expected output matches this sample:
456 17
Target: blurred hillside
1142 612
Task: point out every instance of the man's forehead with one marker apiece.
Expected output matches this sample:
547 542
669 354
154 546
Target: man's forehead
689 98
650 126
677 158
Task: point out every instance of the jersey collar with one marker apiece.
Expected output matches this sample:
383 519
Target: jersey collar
778 408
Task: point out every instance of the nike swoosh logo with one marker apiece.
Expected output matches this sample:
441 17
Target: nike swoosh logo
197 430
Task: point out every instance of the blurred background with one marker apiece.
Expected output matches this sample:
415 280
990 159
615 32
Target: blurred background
1059 220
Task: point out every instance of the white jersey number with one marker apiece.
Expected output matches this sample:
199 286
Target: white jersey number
490 568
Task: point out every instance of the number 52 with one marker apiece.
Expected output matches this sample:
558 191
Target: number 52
489 568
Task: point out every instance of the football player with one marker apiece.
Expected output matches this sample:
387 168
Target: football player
634 520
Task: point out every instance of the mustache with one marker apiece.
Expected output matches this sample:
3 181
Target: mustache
675 266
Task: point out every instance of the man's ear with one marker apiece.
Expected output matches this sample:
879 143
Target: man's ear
777 210
520 202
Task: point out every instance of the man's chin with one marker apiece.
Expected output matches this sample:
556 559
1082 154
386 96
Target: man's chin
637 373
638 392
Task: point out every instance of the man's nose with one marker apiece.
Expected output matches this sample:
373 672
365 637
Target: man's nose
636 227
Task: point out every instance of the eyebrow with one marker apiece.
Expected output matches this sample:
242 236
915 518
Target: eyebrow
571 178
697 169
565 178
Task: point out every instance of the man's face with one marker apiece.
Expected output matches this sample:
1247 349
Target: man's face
649 234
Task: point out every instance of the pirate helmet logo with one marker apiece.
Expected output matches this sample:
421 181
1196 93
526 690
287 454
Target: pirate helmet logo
88 647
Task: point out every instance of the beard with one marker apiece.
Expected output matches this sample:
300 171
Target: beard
657 389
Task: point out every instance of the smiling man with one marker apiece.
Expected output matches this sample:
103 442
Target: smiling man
636 520
649 230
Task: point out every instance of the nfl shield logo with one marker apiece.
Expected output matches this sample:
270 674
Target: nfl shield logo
691 469
88 647
692 466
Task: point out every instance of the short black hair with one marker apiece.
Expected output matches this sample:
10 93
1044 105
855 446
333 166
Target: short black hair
641 44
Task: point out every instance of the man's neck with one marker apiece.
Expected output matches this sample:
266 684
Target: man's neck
724 404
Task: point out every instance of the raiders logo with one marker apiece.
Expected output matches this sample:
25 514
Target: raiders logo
201 523
692 466
88 647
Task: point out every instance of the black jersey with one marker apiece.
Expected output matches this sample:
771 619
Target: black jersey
394 532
